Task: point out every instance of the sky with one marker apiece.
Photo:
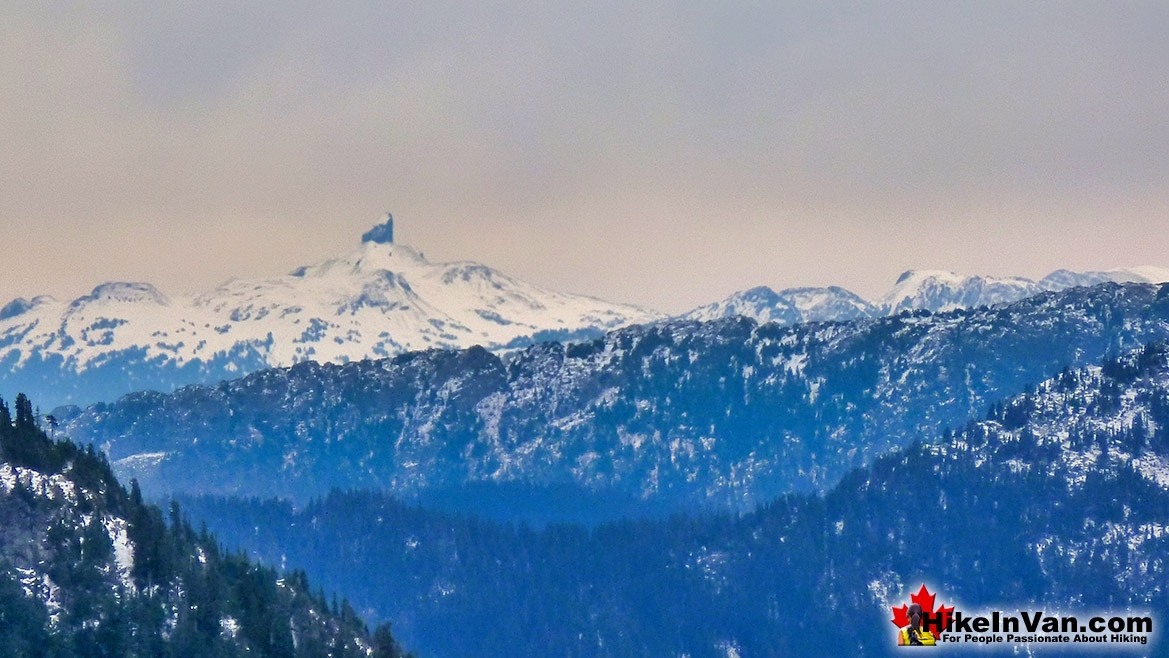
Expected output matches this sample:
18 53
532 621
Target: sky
664 154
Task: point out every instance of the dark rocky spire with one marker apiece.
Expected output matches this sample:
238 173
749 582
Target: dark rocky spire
382 233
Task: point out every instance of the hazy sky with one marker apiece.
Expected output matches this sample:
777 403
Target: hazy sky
664 154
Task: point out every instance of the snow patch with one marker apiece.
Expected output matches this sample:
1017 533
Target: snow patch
141 459
117 529
1154 468
52 487
229 627
42 588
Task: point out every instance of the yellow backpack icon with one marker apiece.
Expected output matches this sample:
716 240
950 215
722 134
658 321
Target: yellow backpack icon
924 639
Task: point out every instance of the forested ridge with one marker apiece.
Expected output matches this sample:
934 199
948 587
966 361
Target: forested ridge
89 569
1056 500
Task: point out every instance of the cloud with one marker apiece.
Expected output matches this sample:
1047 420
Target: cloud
621 144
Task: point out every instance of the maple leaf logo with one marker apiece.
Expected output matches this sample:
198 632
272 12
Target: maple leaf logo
925 599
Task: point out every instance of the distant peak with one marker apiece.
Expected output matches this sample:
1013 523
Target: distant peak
925 275
759 294
758 291
123 291
382 233
15 308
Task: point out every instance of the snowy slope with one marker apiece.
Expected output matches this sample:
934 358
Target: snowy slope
1061 279
937 290
931 290
385 299
790 306
379 300
681 413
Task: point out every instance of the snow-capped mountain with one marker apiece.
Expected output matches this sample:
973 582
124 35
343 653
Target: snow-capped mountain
789 306
383 299
930 290
379 300
1061 279
937 290
726 414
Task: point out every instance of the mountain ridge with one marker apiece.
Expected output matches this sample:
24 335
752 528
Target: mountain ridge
89 569
721 414
1055 499
381 299
385 298
930 290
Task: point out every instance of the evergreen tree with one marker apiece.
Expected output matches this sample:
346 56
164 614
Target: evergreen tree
25 418
185 597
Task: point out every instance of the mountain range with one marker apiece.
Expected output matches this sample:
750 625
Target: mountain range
561 476
379 300
720 415
1057 499
931 290
844 456
384 299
